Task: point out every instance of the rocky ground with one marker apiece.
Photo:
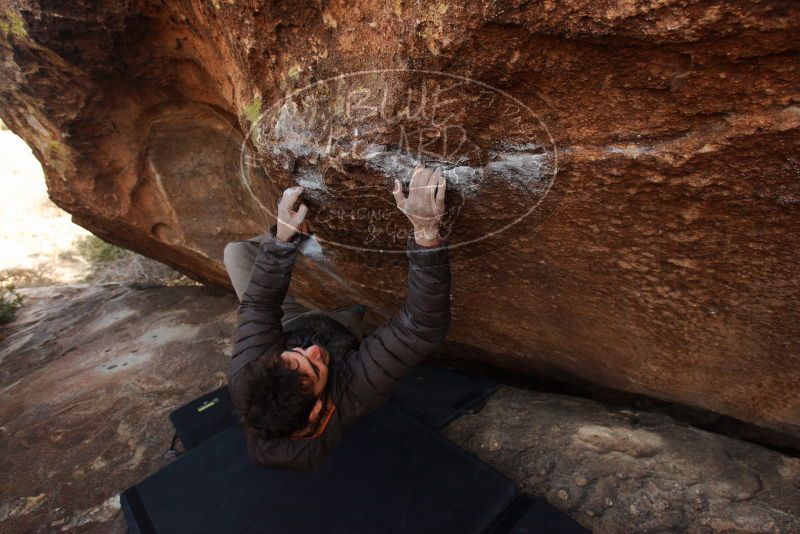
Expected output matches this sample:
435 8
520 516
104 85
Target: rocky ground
619 470
88 375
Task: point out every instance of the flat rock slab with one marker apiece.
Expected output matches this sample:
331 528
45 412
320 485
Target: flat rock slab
88 377
89 374
616 470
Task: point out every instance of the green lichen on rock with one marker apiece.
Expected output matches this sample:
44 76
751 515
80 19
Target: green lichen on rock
56 150
253 111
12 24
294 72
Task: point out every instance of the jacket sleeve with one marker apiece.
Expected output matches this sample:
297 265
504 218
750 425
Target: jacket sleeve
413 333
259 316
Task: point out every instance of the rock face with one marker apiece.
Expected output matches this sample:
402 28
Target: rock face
90 374
623 204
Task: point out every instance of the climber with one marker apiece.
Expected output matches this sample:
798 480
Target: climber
299 377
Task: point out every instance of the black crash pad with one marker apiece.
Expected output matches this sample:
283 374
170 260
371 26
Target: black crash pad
531 515
436 395
203 418
390 473
433 395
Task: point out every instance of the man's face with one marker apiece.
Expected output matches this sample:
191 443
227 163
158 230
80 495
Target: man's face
312 362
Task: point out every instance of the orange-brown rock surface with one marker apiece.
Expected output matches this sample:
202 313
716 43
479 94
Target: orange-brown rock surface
624 177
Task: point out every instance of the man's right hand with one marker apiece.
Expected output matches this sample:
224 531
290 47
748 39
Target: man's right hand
290 221
424 205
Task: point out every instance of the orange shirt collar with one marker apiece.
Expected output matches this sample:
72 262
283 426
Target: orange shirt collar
322 429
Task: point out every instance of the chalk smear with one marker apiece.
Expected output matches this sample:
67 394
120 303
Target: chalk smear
303 152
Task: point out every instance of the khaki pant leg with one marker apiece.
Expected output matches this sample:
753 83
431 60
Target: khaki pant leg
239 258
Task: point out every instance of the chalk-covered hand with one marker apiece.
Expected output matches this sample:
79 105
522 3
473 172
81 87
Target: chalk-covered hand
290 221
424 205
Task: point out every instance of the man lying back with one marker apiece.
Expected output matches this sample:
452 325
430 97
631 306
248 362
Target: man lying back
298 378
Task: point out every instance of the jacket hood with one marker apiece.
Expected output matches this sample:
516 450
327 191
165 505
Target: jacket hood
301 454
305 453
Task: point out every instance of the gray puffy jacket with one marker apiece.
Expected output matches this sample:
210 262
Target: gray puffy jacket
359 380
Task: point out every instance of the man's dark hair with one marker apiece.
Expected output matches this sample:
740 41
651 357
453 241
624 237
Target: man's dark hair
279 400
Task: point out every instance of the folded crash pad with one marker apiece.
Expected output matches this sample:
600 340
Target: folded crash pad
531 515
390 473
436 395
433 395
203 418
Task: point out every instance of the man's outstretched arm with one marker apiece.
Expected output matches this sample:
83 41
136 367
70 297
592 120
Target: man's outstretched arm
259 317
419 328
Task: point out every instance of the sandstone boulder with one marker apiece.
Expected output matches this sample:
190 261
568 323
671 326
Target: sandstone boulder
623 175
